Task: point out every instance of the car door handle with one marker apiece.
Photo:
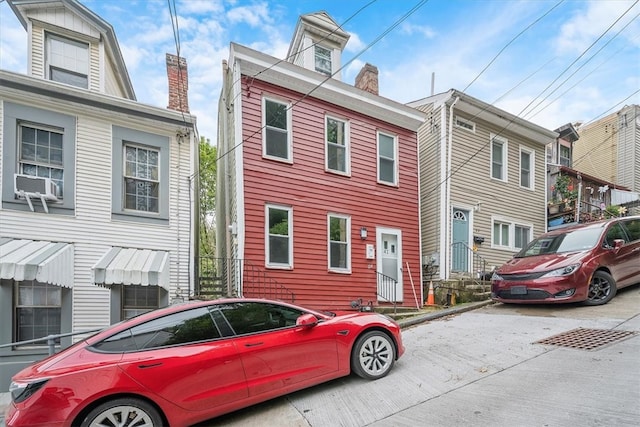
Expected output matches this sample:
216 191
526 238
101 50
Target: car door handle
253 344
151 365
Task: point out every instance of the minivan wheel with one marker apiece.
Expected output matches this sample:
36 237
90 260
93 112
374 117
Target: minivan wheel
123 413
602 288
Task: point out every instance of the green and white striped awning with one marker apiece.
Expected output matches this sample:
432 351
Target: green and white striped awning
43 261
127 266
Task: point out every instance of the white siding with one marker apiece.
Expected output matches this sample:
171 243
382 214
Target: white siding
92 229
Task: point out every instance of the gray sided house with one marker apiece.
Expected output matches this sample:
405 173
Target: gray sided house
97 207
482 185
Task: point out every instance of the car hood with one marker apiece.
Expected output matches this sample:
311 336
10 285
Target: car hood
540 263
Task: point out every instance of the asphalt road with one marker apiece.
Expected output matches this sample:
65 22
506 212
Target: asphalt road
484 368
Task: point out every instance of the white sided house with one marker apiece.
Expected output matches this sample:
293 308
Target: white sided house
98 205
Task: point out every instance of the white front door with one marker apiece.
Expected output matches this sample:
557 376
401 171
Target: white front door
389 242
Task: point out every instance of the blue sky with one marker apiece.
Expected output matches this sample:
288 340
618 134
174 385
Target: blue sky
545 74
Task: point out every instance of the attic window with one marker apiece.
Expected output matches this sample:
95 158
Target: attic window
323 60
465 124
67 61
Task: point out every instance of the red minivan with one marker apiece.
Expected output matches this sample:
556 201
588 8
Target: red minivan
583 263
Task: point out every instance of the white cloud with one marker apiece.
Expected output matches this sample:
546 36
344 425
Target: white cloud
254 16
425 30
354 44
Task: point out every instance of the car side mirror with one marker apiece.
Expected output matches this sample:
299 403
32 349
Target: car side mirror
307 320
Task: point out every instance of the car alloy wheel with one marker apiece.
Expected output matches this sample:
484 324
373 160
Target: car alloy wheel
373 355
123 413
602 288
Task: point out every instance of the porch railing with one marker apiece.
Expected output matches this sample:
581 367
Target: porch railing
221 277
387 289
478 267
51 340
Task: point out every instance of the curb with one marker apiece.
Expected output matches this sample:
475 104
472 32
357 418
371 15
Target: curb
416 320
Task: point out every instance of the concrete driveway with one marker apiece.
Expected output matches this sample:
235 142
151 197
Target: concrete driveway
485 368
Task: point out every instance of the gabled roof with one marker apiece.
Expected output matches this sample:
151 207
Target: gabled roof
21 9
287 75
320 24
490 114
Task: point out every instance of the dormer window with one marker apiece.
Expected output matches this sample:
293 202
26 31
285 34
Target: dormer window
323 60
67 61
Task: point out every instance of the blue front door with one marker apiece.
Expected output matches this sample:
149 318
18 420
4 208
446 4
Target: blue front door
460 241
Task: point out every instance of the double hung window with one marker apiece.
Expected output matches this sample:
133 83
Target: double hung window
276 118
339 242
141 178
323 60
279 242
38 310
41 150
526 168
67 61
387 159
337 145
498 158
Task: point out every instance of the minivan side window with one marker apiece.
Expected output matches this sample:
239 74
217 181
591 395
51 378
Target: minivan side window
178 328
614 232
633 228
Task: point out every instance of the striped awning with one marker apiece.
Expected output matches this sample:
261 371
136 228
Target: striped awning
46 262
126 266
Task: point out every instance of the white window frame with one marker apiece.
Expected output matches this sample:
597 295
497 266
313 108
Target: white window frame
74 69
532 164
26 166
504 160
328 72
346 146
511 229
465 124
379 157
144 180
347 268
289 158
268 263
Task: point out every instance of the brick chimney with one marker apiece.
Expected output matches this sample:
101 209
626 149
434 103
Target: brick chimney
178 83
367 79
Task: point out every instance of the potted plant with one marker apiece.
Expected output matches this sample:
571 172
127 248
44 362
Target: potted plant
565 191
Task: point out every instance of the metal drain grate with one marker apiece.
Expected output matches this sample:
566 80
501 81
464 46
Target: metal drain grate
586 339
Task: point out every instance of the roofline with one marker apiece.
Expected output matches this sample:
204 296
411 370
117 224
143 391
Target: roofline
14 83
489 113
103 26
285 74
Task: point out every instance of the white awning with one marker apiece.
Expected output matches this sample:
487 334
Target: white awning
620 197
46 262
126 266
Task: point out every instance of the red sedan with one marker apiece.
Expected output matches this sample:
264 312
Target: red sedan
585 263
187 363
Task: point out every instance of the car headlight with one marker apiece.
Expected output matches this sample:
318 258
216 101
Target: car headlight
564 271
22 391
496 276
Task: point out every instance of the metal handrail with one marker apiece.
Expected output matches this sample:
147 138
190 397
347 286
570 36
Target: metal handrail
479 264
49 339
386 289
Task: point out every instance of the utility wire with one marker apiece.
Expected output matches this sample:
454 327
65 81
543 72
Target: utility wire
511 41
577 59
293 104
529 114
293 54
478 151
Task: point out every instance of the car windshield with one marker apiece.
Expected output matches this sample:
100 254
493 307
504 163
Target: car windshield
571 241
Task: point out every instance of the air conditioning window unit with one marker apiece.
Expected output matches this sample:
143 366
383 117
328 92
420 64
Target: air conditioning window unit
35 186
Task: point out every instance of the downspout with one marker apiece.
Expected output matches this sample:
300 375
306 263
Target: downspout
447 267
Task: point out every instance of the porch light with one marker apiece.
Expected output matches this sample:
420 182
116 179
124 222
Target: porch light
363 233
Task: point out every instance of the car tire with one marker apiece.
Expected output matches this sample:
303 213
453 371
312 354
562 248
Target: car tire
602 288
373 355
120 409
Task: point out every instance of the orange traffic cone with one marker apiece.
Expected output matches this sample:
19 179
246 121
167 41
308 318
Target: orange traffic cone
431 299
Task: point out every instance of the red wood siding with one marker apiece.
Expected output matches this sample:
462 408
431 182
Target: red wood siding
313 193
